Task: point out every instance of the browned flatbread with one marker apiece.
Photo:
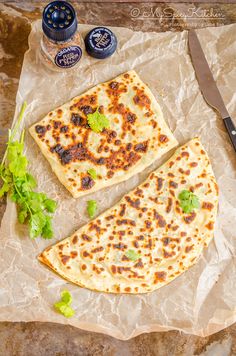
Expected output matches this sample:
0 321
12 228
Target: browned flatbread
137 135
148 224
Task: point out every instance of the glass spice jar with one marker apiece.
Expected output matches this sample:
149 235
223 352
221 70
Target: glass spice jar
61 43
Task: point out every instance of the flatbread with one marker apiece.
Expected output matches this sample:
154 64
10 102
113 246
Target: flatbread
149 222
137 135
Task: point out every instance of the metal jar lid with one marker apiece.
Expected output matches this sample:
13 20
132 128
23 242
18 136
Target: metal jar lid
100 42
59 21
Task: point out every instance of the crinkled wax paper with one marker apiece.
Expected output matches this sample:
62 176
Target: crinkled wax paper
203 299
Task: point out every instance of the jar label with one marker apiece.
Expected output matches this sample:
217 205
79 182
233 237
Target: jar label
68 56
101 39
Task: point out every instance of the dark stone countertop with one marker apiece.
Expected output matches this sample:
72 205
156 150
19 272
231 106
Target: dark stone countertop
15 18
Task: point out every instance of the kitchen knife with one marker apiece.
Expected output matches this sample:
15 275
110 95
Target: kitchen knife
207 84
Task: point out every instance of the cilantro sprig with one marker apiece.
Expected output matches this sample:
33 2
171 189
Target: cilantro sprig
132 255
188 201
92 208
32 207
98 121
63 306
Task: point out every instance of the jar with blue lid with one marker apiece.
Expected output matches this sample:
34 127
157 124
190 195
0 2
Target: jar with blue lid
61 43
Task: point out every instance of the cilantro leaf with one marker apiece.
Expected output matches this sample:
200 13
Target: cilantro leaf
188 201
6 177
35 204
50 205
47 231
18 166
195 202
63 306
91 208
132 255
29 182
64 309
37 222
184 195
15 149
4 189
22 215
66 297
92 173
98 121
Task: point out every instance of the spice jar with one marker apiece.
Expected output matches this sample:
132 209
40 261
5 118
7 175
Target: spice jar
61 41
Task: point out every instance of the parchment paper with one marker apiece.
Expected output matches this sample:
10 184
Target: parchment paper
201 301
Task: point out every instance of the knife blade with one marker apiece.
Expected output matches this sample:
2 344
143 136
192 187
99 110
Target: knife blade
208 85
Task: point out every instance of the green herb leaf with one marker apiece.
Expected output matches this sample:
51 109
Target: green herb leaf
35 204
37 222
98 121
22 216
4 189
47 231
6 177
15 149
18 166
50 205
66 297
188 201
91 208
32 206
29 182
63 306
132 255
92 173
64 309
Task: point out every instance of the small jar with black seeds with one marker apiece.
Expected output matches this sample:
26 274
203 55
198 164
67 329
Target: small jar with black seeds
61 43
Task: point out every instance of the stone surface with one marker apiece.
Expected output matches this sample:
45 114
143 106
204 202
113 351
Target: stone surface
36 339
52 339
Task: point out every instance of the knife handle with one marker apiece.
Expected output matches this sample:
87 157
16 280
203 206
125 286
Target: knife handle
230 127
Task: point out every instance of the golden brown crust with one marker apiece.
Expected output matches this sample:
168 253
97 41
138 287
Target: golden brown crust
150 223
117 152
